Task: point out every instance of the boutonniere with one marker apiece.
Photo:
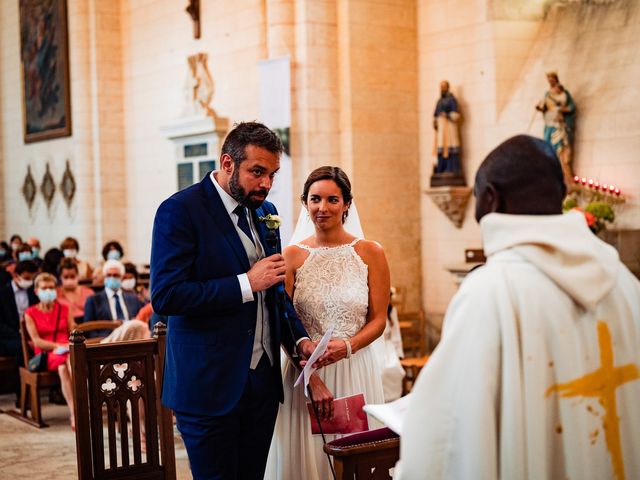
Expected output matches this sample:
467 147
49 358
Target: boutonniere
271 221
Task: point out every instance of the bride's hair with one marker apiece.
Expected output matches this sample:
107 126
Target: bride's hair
329 173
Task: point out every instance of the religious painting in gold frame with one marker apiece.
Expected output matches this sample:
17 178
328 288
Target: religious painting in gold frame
44 56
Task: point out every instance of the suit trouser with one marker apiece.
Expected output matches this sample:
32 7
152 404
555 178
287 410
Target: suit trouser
234 446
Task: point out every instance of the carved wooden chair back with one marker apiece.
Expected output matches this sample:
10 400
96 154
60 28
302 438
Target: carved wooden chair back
124 378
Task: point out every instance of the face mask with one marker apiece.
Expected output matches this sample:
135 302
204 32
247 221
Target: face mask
23 283
70 283
70 252
112 283
47 295
15 246
3 252
22 256
113 255
129 284
35 251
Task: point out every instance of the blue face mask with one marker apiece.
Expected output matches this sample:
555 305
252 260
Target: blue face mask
35 251
22 256
47 295
113 255
3 252
112 283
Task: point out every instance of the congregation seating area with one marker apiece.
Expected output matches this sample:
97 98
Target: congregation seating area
121 428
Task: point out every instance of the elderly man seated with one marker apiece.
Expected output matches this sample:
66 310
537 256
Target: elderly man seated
113 303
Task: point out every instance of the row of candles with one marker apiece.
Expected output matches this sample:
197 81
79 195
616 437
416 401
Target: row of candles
591 183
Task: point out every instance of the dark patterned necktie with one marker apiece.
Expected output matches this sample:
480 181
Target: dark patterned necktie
243 223
119 311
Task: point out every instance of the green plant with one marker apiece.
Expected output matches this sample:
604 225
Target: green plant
598 208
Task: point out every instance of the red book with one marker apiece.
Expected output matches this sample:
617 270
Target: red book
348 416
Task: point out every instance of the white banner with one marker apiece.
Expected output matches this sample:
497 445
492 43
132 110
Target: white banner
275 112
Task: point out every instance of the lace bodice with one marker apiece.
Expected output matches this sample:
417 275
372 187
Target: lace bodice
331 288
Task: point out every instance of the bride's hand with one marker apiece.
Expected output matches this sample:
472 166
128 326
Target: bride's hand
336 350
321 396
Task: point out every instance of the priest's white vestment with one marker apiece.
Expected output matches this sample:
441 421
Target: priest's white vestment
537 375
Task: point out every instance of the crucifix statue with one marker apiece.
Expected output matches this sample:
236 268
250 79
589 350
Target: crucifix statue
193 9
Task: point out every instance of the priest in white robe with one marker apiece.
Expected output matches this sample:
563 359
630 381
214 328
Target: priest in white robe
537 375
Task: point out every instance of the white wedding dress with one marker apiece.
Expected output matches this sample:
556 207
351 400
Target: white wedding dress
331 288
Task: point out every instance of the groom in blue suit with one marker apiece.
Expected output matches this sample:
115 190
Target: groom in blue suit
215 272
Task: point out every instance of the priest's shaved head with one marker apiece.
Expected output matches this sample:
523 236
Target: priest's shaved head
521 176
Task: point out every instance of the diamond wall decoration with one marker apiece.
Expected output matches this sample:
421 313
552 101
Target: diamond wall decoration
29 188
48 187
68 185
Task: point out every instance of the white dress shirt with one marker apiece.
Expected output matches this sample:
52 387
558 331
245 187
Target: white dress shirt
255 252
22 298
112 303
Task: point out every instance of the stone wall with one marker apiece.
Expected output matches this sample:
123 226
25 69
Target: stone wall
354 102
496 54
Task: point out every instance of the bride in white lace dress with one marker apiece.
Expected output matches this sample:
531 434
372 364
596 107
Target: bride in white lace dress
334 279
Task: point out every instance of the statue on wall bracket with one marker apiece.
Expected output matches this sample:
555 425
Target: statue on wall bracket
449 191
446 147
559 114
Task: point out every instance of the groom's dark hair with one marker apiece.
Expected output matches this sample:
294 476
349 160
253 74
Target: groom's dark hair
250 133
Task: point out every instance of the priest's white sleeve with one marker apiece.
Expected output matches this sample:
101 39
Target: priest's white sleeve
450 430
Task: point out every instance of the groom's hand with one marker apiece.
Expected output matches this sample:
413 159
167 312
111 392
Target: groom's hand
266 272
306 348
321 397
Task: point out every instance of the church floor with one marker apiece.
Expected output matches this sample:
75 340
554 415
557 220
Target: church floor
49 453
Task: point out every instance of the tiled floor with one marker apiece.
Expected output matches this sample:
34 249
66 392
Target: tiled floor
49 453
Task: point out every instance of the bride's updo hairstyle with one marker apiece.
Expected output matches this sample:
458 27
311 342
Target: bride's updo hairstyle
329 173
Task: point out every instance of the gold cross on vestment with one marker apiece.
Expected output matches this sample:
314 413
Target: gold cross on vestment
602 384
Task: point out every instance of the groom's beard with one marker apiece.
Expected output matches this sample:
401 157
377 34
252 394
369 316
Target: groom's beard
241 196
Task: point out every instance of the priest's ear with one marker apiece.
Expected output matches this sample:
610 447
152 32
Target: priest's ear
487 198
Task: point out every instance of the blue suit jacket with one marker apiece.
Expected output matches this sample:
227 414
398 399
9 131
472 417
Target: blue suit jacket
97 306
196 256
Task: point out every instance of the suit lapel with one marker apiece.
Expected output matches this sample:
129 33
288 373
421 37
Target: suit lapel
264 232
215 208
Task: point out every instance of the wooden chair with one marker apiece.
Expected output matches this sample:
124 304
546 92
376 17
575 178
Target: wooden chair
31 383
412 328
121 376
365 456
412 367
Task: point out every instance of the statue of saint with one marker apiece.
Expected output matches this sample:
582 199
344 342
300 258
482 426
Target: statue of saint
448 170
559 113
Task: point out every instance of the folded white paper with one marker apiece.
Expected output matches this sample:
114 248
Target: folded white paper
391 414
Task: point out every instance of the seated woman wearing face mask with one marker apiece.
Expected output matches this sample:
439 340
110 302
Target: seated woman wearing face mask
71 293
112 250
49 323
70 248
